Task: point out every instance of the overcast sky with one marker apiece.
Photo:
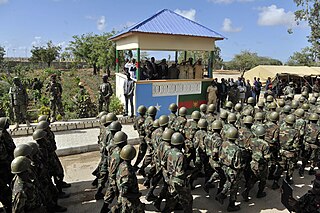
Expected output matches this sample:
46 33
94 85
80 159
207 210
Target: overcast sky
256 25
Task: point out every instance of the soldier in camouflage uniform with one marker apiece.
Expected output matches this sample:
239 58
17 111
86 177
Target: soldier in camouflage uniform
250 105
55 90
281 104
258 120
162 156
238 109
105 93
84 105
148 127
306 108
119 141
300 126
203 110
180 121
19 101
213 141
288 99
289 143
231 159
26 196
138 125
286 110
229 106
309 202
173 115
189 130
211 116
176 168
272 107
232 118
259 163
223 117
294 105
260 108
127 183
311 145
272 138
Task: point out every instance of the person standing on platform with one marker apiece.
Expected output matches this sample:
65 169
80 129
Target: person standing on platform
183 70
212 92
154 69
190 73
173 72
128 90
198 70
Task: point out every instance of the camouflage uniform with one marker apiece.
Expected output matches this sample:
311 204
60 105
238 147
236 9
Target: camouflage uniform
139 126
129 194
190 129
84 105
55 90
19 100
172 118
105 93
179 124
176 167
148 127
202 159
210 118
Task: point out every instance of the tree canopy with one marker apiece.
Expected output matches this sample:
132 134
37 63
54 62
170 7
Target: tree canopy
46 54
309 11
97 50
306 57
2 53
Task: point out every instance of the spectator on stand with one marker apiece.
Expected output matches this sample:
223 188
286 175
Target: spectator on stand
257 88
173 71
222 94
198 70
183 70
242 92
248 90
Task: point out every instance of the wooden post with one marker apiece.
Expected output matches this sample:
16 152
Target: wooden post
176 57
185 55
117 60
138 64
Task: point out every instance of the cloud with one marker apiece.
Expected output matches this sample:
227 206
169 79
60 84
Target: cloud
37 41
272 16
229 1
190 14
101 23
3 1
227 26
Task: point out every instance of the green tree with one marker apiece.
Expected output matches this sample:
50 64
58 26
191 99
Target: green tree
2 53
97 50
309 11
46 54
306 57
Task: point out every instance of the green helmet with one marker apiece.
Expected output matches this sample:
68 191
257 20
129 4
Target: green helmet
163 120
196 115
260 131
3 122
120 137
202 124
272 105
108 119
217 125
250 100
314 117
39 134
142 110
281 103
305 94
248 120
43 118
305 107
156 124
259 116
224 115
260 104
299 112
229 105
43 125
22 150
287 109
274 116
101 114
115 126
20 164
211 108
294 104
313 100
166 135
316 94
152 111
203 107
34 146
128 152
232 133
318 110
177 138
302 99
238 107
232 118
290 119
183 111
270 98
173 107
247 112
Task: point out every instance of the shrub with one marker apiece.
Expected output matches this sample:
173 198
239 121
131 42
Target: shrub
116 106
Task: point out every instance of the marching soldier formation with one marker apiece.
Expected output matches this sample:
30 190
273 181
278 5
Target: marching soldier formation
254 142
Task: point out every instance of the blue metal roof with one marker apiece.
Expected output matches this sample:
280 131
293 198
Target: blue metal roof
169 22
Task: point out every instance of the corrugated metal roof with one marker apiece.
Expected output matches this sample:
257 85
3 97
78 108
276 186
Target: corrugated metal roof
169 22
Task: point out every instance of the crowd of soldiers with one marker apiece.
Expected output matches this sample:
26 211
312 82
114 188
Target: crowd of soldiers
254 142
32 176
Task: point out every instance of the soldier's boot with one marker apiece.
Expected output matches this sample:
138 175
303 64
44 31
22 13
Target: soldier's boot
95 182
312 171
301 171
157 203
220 198
105 208
245 195
232 207
275 185
58 208
99 195
150 196
28 123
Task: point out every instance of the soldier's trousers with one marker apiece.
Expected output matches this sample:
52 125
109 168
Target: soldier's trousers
142 151
128 206
54 104
260 173
311 153
202 161
181 195
20 113
104 105
231 184
274 160
287 163
148 157
111 192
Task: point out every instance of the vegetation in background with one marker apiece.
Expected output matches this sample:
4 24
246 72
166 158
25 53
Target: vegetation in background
46 54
